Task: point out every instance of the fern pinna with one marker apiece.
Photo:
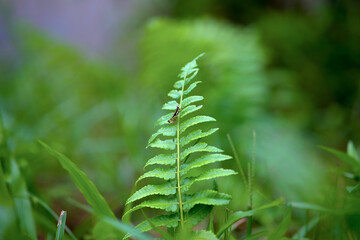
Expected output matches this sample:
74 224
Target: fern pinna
182 207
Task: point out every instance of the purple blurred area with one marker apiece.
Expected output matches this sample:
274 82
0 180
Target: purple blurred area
95 27
90 25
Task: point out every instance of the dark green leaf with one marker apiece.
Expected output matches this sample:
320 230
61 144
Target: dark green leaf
236 216
197 214
282 228
345 158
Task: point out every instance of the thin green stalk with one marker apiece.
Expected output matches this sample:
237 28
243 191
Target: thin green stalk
253 162
227 235
249 219
251 175
178 159
237 161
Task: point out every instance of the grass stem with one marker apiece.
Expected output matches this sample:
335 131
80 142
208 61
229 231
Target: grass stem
237 160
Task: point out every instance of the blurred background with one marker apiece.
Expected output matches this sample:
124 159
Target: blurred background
89 78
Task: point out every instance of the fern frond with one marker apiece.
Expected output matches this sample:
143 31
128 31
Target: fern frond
174 196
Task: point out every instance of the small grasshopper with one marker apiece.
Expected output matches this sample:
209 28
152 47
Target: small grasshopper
174 117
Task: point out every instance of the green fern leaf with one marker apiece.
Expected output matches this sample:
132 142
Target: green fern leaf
204 160
197 134
166 144
189 100
175 94
191 87
199 147
207 197
172 105
172 195
193 121
162 173
190 109
163 189
169 131
164 119
197 214
162 159
171 220
210 174
167 204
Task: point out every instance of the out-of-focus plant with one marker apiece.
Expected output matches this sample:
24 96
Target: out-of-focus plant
345 196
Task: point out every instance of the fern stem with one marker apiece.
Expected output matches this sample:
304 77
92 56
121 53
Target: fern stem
178 158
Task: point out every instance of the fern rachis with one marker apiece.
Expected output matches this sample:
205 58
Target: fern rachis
173 196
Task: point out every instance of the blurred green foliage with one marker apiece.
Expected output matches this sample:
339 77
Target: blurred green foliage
292 75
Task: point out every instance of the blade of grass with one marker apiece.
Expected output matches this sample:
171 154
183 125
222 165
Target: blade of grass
16 187
350 160
35 200
61 226
80 205
310 206
83 183
282 228
351 150
242 173
211 223
126 228
92 195
301 233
